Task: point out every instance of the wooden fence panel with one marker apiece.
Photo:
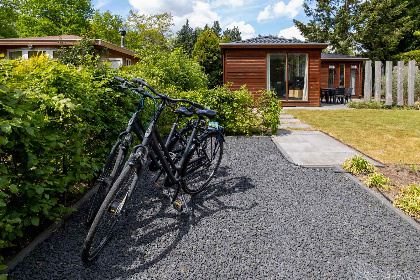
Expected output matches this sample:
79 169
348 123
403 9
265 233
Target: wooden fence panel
400 88
388 85
378 66
411 74
368 80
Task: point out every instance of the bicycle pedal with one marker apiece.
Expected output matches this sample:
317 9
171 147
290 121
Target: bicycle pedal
113 207
177 206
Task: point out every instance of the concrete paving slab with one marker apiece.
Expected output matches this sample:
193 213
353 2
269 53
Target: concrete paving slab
294 125
290 120
314 148
285 116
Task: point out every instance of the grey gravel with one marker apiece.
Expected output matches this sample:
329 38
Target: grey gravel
263 218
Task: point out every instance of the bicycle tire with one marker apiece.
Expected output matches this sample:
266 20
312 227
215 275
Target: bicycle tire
109 213
202 162
109 174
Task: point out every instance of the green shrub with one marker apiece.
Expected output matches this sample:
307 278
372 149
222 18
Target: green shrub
269 107
376 179
409 199
234 108
358 164
57 123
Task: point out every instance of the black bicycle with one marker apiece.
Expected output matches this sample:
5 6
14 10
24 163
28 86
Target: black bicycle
189 171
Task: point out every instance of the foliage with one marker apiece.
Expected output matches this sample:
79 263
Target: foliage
207 53
8 17
57 122
409 199
216 29
380 27
333 22
81 53
358 164
186 38
376 179
406 56
106 26
148 33
366 104
53 17
171 72
373 27
411 39
233 34
269 107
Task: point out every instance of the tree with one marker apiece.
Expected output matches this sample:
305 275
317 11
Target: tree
233 34
380 27
207 53
186 38
411 41
333 22
217 29
149 32
106 26
53 17
8 17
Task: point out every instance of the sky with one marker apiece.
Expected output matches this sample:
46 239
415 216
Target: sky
252 17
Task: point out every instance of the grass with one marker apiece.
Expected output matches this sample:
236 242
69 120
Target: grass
390 136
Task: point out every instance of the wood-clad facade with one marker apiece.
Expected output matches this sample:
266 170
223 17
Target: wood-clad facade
248 63
341 70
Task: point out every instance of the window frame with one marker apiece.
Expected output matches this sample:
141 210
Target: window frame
25 51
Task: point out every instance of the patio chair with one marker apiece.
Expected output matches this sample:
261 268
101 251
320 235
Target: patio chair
348 94
339 95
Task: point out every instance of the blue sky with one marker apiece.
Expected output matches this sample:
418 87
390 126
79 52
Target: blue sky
253 17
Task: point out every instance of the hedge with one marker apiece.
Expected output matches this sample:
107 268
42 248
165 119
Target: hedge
58 123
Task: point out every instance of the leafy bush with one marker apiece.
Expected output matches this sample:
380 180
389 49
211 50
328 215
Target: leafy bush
409 199
269 108
376 179
56 122
358 164
169 72
411 55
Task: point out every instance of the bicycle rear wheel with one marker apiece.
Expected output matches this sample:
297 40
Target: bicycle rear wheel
109 213
110 172
202 162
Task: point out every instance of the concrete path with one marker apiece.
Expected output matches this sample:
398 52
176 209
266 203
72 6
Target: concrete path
309 147
313 148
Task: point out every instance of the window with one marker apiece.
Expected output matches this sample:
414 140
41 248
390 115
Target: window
28 53
15 54
35 53
342 69
331 76
127 62
287 75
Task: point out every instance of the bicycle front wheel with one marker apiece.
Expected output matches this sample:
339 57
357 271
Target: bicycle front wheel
109 213
202 162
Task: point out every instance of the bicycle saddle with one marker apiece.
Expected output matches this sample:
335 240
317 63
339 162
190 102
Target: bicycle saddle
206 112
183 111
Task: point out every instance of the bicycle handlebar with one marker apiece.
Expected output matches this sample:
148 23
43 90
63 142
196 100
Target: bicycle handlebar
142 82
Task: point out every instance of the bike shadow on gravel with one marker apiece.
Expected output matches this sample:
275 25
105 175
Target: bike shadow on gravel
152 229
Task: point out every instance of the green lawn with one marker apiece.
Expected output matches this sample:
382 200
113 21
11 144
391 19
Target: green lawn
390 136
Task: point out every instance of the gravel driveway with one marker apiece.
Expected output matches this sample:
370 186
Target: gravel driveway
263 219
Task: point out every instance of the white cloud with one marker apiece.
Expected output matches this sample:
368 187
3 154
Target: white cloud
198 17
291 32
281 9
247 31
233 3
177 8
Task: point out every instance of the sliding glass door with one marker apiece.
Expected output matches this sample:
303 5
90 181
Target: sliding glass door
287 75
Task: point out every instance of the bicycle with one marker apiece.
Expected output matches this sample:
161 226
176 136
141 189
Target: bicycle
201 152
116 159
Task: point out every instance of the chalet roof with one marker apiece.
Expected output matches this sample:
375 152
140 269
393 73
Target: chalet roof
335 56
271 41
58 41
